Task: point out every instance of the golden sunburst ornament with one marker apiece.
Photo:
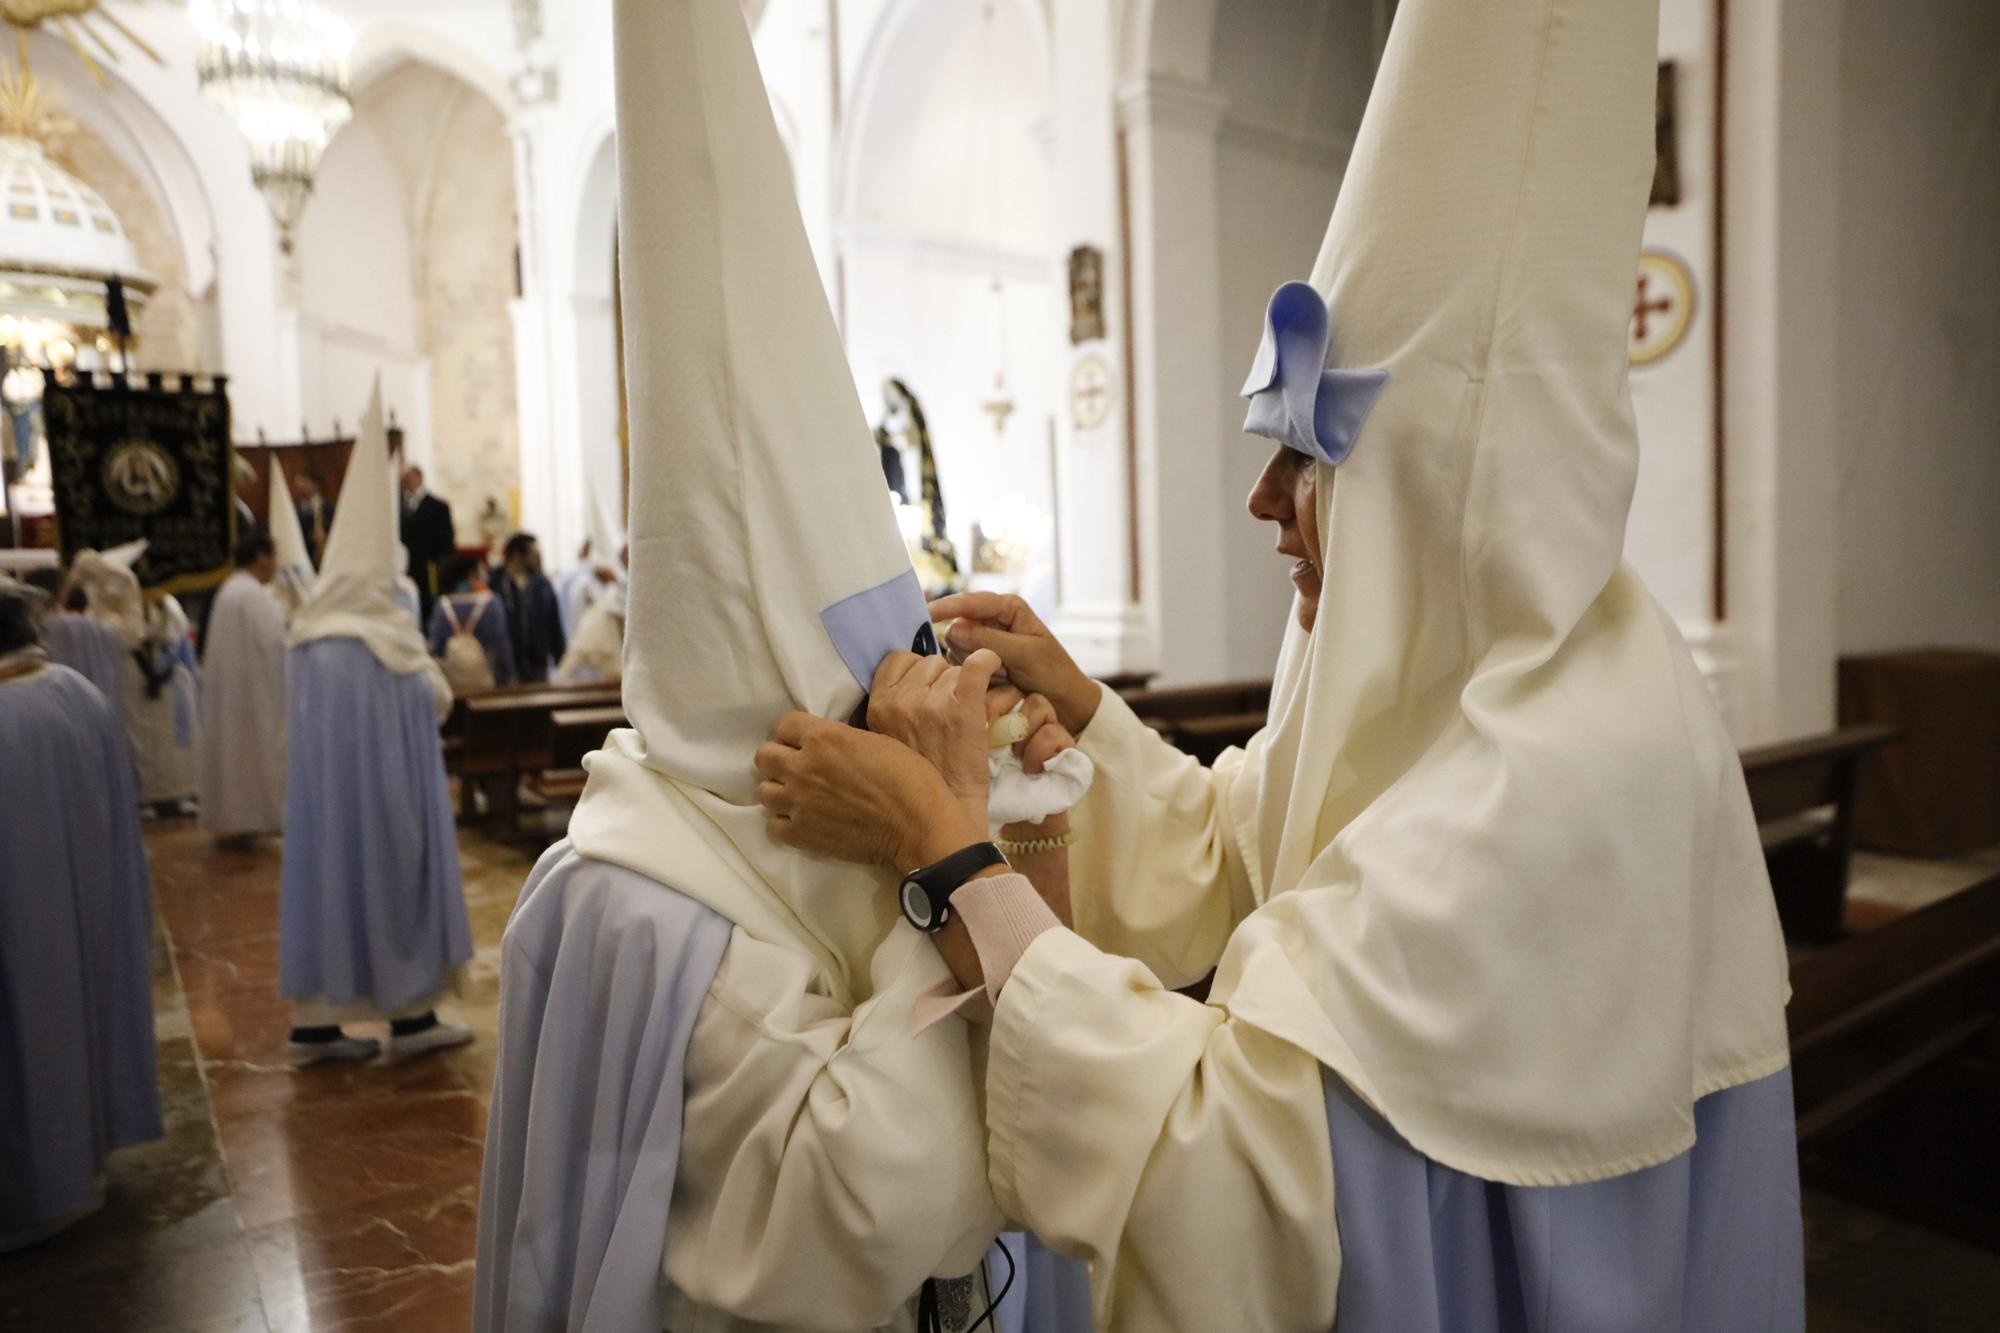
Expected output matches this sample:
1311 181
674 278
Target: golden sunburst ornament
73 21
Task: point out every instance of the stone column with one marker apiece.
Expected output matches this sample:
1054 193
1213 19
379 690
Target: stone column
1170 128
1099 617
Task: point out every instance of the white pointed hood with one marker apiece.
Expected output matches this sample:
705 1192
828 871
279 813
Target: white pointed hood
1516 897
295 572
768 573
114 598
355 593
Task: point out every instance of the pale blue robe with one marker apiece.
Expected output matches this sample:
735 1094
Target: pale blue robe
77 1072
92 651
603 973
1708 1242
372 912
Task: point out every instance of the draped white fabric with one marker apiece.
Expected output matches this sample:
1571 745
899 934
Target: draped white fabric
243 710
355 593
295 569
757 498
1515 894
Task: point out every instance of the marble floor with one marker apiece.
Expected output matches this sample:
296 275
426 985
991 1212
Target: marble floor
345 1198
339 1197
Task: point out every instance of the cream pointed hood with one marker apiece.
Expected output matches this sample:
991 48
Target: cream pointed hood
295 571
355 593
1516 897
768 573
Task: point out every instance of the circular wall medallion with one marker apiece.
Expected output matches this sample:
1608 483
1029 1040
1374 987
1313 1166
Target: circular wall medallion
1090 392
1662 307
140 477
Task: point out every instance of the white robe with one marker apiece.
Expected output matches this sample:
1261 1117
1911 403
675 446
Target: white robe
816 1157
243 711
165 727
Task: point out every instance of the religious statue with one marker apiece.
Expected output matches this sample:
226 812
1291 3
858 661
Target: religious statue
931 550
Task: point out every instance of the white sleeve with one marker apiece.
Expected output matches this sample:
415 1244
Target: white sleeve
1183 1153
1156 872
830 1161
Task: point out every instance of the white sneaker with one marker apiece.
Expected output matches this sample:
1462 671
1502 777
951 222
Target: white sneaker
438 1036
356 1049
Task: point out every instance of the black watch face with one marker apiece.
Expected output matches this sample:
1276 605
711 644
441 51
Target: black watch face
917 905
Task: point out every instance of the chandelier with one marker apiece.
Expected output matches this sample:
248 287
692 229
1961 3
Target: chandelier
279 68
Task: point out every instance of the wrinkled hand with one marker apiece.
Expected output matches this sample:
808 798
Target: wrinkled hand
938 710
842 792
1035 660
1047 737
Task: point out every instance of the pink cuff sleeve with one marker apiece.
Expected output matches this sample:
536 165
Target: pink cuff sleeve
1003 914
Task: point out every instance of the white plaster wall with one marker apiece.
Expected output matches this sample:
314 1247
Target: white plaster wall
1918 377
357 307
1296 82
1670 535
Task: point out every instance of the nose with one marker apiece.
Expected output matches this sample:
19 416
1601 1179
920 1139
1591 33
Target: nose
1271 498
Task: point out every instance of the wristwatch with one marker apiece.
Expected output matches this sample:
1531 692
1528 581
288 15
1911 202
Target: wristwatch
926 894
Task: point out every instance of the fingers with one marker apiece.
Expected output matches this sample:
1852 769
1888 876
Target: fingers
892 669
969 636
1044 745
975 676
793 728
1001 608
1001 700
772 758
1039 712
774 797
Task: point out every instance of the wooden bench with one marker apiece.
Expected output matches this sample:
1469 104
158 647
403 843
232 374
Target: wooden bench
507 734
1895 1036
1802 793
1880 1006
1204 720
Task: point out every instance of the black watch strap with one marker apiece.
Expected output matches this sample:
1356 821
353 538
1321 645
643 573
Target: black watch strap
926 894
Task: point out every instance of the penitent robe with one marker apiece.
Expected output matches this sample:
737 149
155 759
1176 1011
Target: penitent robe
243 711
651 1052
371 912
76 989
1329 1213
92 651
163 716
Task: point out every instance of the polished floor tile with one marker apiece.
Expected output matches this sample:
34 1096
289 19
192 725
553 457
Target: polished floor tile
341 1197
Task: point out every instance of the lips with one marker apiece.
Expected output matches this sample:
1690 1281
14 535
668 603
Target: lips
1305 571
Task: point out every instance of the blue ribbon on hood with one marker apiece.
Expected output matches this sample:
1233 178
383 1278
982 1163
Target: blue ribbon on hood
1294 398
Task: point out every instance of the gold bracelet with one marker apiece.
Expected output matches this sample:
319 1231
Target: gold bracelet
1035 846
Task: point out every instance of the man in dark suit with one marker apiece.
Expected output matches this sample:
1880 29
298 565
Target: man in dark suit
315 513
427 535
533 621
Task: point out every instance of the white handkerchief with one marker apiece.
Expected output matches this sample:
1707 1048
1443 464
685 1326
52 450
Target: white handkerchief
1016 796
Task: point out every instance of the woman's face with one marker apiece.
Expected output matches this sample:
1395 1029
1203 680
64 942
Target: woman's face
1286 494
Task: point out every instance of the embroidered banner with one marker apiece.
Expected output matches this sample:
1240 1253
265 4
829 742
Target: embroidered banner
150 461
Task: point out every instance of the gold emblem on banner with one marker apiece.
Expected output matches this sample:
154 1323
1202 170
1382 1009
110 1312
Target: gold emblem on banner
140 477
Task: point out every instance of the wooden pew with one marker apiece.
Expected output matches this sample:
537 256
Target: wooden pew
508 733
1895 1036
574 733
1204 720
1802 793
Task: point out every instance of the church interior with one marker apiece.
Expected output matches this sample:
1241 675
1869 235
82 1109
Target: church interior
256 251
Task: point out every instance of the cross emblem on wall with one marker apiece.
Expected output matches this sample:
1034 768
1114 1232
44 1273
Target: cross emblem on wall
1662 306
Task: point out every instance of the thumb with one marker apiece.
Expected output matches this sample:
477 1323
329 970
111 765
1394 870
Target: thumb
976 675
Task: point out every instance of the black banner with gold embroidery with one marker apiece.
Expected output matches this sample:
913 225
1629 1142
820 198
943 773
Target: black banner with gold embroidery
150 461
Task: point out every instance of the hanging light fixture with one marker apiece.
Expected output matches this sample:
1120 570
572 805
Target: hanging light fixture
998 401
279 68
